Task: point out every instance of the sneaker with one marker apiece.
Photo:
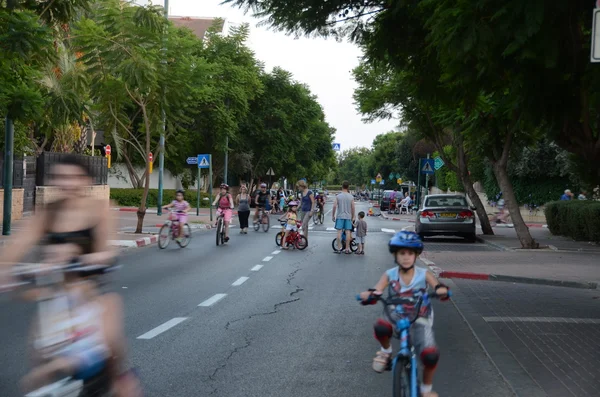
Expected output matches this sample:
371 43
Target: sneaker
381 361
226 239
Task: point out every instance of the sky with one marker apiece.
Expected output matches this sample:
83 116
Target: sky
324 65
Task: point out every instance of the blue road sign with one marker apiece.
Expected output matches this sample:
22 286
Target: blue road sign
428 166
372 181
382 182
336 147
439 163
192 160
203 160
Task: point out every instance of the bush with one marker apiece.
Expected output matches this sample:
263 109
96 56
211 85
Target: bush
578 219
133 197
338 187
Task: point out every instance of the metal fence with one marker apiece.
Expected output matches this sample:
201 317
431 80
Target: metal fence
97 166
18 171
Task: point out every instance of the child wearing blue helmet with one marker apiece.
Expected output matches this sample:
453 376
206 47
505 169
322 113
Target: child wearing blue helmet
408 280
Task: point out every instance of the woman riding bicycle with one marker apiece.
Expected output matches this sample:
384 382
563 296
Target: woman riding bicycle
77 227
224 201
182 207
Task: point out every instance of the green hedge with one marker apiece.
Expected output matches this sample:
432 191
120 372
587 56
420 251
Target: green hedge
577 219
133 197
338 187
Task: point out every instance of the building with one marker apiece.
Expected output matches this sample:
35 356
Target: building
197 25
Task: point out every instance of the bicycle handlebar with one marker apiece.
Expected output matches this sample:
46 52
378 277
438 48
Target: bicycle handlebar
416 301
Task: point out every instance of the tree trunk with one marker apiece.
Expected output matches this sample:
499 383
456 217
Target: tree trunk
463 174
142 208
513 207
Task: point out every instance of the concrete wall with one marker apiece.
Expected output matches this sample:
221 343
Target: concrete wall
118 177
17 203
48 194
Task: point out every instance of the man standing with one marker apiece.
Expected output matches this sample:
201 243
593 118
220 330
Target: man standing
343 207
308 206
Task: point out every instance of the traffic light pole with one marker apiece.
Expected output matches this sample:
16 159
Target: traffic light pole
161 154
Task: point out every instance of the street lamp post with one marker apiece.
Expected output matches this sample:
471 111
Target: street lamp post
9 138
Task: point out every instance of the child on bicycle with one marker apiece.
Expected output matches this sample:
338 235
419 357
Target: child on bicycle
292 218
407 280
181 207
361 233
225 207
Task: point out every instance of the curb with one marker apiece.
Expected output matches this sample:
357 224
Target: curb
495 245
511 279
396 219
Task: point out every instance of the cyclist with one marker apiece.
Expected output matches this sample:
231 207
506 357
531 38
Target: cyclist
407 280
77 226
320 198
292 217
262 200
182 207
225 206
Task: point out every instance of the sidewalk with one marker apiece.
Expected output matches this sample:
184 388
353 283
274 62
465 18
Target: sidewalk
126 224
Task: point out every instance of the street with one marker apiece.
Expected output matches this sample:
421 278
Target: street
247 319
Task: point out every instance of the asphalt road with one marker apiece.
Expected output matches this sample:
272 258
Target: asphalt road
287 324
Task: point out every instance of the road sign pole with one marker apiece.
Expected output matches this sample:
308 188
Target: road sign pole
226 159
8 176
419 185
198 193
161 170
427 180
210 193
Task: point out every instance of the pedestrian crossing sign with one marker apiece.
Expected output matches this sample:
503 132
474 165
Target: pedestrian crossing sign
427 166
336 147
203 160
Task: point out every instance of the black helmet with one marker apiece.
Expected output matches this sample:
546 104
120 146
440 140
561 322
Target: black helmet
180 191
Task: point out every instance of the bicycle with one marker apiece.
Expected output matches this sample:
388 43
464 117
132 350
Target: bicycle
220 229
56 329
263 219
294 238
404 366
318 216
353 245
170 231
280 233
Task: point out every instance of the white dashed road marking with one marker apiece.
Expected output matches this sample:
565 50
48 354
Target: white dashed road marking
240 281
388 230
267 258
212 300
162 328
331 229
257 268
275 252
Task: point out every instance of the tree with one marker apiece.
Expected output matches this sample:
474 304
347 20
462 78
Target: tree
123 48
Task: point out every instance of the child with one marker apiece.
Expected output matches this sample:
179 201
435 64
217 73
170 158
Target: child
292 217
407 279
225 207
361 233
182 207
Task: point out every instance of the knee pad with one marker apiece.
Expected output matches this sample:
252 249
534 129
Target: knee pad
430 357
383 329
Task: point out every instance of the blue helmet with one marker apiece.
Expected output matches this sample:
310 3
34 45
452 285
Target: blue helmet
407 240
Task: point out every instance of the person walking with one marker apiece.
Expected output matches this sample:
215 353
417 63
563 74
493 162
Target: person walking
308 206
243 202
343 207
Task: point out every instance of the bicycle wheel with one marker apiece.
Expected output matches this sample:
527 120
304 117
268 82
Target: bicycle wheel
353 245
219 231
257 224
265 221
164 236
187 236
279 237
321 217
334 245
301 242
316 217
401 386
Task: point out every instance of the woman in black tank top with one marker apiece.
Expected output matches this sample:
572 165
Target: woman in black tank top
76 227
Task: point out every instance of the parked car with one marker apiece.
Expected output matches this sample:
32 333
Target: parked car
386 200
446 215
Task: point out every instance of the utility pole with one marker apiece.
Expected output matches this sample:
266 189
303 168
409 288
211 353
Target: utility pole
225 171
8 176
161 144
9 138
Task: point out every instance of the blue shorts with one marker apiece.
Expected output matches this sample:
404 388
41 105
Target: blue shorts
343 224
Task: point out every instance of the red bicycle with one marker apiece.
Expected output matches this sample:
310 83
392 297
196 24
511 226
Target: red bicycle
294 238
